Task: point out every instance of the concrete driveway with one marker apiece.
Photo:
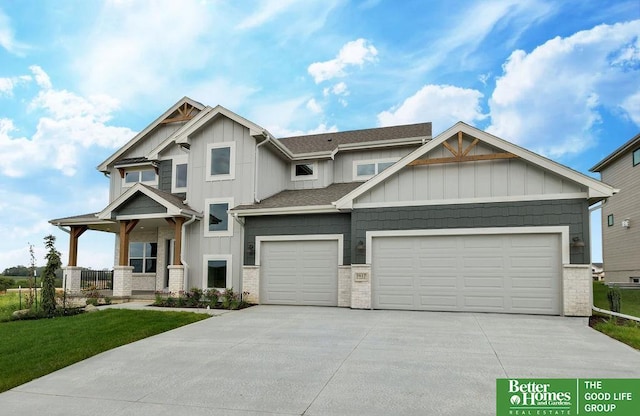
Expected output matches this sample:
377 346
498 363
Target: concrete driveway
279 360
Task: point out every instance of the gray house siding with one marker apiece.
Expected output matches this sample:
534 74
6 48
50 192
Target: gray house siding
297 225
573 213
139 205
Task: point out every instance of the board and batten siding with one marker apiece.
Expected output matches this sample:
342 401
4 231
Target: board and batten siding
240 189
621 245
483 180
141 149
571 212
139 204
323 177
273 173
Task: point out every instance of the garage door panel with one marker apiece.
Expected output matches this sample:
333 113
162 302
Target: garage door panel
490 273
299 272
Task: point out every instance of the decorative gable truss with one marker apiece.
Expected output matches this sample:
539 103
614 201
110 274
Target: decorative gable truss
467 165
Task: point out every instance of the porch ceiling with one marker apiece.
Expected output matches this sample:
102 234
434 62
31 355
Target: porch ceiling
94 223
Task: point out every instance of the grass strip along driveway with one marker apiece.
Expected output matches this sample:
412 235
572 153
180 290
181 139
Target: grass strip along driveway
31 349
623 330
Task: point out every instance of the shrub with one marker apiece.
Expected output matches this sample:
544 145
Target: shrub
5 283
613 295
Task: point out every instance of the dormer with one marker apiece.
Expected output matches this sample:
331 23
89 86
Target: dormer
137 170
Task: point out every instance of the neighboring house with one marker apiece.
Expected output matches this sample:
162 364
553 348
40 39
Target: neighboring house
383 218
597 271
621 213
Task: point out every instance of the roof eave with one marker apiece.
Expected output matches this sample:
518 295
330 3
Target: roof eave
310 209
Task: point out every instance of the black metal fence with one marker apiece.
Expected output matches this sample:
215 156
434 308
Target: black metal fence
100 279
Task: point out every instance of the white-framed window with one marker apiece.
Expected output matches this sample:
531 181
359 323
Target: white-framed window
147 176
365 169
143 257
179 174
635 279
304 171
216 271
221 161
636 157
218 222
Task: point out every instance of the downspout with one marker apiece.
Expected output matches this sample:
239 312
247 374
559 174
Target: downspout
182 250
62 228
255 166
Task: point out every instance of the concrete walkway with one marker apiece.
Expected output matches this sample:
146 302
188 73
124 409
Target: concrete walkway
277 360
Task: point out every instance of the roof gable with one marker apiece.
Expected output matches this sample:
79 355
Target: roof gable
461 152
629 146
172 205
183 110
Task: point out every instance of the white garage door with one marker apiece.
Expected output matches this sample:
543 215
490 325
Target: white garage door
299 272
515 273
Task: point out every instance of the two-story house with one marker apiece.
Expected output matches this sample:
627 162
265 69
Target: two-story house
621 213
385 218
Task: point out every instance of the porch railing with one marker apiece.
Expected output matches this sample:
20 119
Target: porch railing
100 279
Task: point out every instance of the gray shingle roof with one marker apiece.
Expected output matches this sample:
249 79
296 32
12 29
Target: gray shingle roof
330 141
171 198
131 161
304 197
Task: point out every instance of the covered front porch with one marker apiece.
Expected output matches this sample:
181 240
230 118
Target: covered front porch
149 227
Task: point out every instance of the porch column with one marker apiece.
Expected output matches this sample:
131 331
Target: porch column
123 273
74 235
71 279
176 271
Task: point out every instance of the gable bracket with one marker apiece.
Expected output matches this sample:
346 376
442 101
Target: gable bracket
461 155
185 113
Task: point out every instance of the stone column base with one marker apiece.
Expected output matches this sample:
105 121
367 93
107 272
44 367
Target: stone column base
361 286
251 283
71 276
122 281
176 279
344 286
576 289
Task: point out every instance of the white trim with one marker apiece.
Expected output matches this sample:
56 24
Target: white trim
308 209
229 231
313 176
178 160
374 162
302 237
105 214
140 169
518 198
254 129
145 216
597 189
217 257
232 162
562 230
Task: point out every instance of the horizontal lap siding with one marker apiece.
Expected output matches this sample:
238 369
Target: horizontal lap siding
297 225
573 213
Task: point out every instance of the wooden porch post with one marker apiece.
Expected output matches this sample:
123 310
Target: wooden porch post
74 235
126 227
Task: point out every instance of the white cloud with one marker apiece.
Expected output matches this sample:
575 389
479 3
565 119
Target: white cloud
69 126
340 89
354 53
321 128
313 105
443 105
550 99
7 37
269 9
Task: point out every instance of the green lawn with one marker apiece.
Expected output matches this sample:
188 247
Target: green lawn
9 302
31 349
623 330
629 299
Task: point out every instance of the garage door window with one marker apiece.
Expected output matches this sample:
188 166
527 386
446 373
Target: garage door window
217 271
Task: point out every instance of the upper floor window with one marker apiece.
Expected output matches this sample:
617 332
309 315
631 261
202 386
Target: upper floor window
217 221
179 180
365 169
304 171
636 157
143 257
610 220
221 161
147 176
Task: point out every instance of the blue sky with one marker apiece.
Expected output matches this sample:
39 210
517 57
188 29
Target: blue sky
80 78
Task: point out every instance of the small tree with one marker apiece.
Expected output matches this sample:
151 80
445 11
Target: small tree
31 292
49 275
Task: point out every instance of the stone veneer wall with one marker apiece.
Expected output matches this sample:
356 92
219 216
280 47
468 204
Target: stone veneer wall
360 290
344 286
577 289
251 283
